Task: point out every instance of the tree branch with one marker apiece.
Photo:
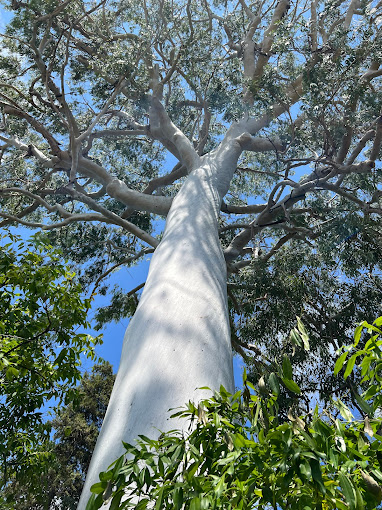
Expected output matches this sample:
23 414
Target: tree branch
162 127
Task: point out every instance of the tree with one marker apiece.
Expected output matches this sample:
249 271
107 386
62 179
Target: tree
329 296
245 99
41 309
75 428
76 431
238 455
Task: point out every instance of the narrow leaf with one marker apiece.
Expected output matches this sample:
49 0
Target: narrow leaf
350 365
357 334
348 490
287 368
220 487
343 409
340 362
291 385
366 408
317 475
274 384
295 338
304 334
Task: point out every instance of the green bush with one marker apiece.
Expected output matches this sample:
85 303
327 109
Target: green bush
237 455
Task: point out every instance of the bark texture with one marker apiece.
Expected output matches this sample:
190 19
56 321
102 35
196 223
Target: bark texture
179 337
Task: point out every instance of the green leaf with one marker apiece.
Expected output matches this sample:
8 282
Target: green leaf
158 504
178 498
306 470
366 408
274 384
91 504
340 505
11 373
340 362
291 385
61 356
358 499
98 488
192 470
118 465
343 409
219 487
371 391
317 475
287 368
350 365
377 474
117 500
357 334
205 503
295 338
238 440
348 490
304 334
195 504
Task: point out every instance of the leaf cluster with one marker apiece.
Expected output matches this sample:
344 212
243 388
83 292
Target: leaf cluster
42 342
75 430
236 454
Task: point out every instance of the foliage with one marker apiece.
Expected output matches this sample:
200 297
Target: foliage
326 293
41 349
310 77
75 428
99 100
238 456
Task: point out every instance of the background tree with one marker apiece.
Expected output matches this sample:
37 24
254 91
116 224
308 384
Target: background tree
268 114
59 482
41 309
335 285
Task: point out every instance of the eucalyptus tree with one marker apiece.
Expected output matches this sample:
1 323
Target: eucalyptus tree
246 125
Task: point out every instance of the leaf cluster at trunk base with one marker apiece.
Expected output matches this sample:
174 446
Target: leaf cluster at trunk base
237 455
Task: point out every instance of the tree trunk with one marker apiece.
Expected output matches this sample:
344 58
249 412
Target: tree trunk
179 337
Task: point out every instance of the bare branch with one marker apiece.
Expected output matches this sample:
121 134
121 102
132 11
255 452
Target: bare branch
95 121
233 226
377 141
315 181
178 172
313 25
11 218
242 209
277 246
361 145
129 227
250 143
163 127
127 260
31 150
264 51
53 143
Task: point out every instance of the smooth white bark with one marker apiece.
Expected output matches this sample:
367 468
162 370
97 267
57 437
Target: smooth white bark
179 337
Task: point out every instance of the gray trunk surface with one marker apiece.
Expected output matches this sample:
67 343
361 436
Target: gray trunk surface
179 337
